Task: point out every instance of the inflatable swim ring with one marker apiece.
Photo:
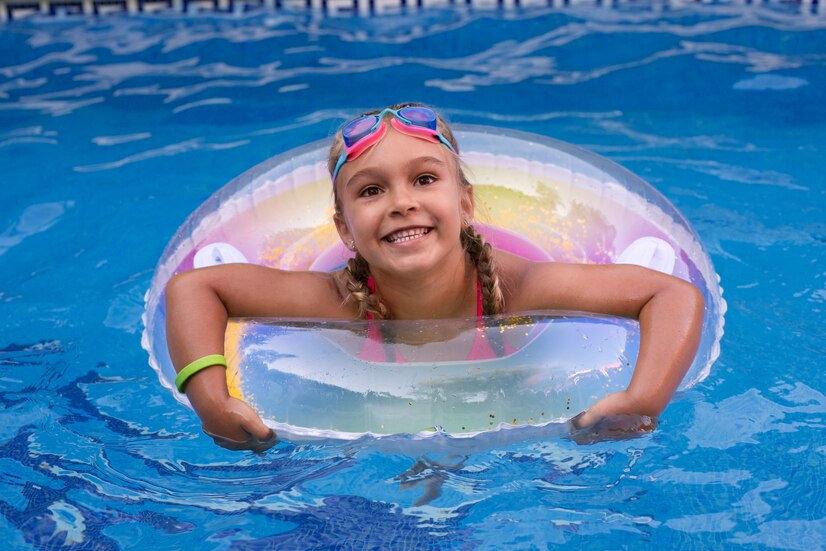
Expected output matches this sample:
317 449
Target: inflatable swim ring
537 197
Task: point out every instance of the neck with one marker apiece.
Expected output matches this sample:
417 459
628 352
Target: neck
449 293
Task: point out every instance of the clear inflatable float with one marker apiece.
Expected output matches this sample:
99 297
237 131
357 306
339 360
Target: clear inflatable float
340 379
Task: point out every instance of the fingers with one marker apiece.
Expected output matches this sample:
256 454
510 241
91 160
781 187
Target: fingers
260 437
227 443
612 428
617 403
582 420
238 427
250 443
257 429
259 446
250 421
227 428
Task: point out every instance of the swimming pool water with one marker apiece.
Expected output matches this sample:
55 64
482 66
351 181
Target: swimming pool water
113 130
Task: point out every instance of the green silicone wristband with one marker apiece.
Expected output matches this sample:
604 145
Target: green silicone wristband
196 366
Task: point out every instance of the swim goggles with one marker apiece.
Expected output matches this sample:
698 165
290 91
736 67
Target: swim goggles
362 133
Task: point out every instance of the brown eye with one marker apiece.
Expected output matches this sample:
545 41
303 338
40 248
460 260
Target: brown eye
425 179
370 191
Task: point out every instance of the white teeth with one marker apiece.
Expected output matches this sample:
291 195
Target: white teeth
407 235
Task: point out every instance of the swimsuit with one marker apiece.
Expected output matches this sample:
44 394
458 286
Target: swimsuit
482 349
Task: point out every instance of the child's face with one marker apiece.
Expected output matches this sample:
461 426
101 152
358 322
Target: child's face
402 204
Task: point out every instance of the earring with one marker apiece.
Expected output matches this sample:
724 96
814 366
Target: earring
466 221
352 245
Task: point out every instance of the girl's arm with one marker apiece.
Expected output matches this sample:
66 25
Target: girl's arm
198 304
670 312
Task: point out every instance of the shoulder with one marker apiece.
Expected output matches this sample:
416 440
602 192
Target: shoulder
515 275
517 271
530 285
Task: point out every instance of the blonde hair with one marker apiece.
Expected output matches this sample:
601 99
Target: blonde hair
355 275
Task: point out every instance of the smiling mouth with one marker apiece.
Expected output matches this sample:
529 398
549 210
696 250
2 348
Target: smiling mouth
408 234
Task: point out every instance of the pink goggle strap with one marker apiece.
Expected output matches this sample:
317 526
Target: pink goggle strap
415 131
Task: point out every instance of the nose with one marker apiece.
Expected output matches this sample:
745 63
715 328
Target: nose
404 200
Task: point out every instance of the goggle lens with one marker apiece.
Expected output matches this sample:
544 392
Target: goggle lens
357 129
421 116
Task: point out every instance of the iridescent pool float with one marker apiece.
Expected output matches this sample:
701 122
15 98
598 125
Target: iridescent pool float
536 197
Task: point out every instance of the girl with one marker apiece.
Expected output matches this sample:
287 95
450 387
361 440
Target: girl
405 207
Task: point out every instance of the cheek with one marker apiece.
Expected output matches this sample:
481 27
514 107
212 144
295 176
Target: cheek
360 220
461 203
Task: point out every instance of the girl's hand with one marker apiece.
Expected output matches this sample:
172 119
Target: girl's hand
612 418
617 403
234 425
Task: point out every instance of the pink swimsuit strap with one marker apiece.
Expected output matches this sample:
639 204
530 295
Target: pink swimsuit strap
374 349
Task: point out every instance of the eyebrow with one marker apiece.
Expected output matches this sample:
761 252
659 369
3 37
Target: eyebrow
424 159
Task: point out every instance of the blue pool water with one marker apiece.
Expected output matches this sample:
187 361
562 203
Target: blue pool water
113 130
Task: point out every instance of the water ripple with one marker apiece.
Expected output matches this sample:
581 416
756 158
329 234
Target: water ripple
60 58
33 220
202 103
770 82
723 171
533 117
738 420
187 36
645 140
29 134
201 144
505 62
120 139
802 535
194 144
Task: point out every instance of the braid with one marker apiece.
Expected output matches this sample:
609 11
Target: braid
481 253
354 277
